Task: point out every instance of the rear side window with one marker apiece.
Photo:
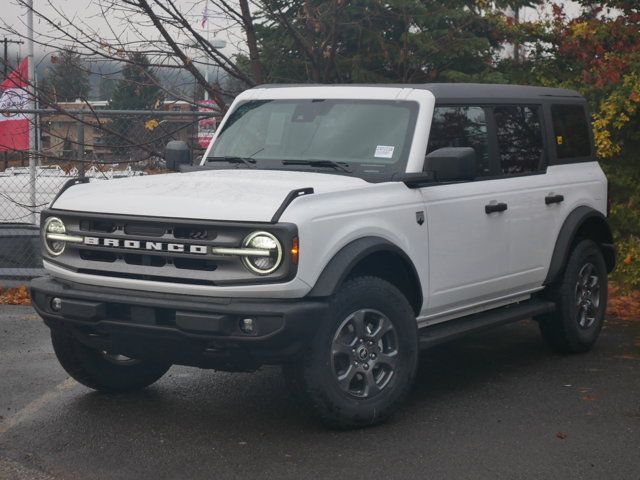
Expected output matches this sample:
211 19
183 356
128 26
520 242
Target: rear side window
519 134
461 127
571 130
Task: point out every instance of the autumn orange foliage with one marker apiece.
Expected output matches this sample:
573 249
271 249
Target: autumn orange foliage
15 296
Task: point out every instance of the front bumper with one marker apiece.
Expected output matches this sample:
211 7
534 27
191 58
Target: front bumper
180 329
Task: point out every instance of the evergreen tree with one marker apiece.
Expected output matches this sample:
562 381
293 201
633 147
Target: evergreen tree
404 41
138 89
67 80
107 87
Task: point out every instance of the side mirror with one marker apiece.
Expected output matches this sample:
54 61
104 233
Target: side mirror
176 154
452 164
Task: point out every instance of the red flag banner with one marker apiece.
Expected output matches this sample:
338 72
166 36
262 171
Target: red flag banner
207 125
14 127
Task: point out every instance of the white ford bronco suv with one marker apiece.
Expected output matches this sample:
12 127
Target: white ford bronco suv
336 231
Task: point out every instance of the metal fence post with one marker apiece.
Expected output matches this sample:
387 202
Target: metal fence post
80 142
31 116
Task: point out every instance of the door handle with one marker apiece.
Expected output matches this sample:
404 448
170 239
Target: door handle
549 199
495 207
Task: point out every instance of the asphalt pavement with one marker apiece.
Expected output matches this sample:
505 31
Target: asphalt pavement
495 405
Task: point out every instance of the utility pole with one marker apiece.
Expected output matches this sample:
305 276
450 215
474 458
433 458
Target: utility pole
31 106
6 42
80 142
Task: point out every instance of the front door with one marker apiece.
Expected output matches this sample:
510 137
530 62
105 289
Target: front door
468 245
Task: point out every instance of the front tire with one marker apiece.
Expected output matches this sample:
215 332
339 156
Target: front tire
362 361
581 301
101 371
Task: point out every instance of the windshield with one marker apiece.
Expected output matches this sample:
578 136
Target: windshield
370 138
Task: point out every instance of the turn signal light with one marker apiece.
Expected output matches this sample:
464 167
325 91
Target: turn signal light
295 251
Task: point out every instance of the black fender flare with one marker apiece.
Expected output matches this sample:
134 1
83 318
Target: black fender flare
346 259
572 225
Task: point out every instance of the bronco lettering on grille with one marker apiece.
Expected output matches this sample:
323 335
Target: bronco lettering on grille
142 245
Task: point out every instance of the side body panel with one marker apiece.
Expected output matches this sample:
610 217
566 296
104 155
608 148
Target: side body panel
388 211
478 261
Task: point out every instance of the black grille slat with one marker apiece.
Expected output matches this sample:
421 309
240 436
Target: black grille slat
194 264
145 230
98 226
193 233
97 255
145 260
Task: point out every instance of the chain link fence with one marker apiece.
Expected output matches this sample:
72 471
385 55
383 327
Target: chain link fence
103 145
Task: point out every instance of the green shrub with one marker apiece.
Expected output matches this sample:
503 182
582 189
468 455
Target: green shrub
623 174
627 272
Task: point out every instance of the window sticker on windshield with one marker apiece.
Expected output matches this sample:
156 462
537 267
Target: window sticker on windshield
384 151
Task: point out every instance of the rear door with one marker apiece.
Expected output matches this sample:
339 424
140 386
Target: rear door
521 162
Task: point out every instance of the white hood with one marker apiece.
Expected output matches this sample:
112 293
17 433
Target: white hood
233 195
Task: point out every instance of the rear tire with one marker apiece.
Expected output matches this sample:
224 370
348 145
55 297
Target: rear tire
362 361
580 295
101 371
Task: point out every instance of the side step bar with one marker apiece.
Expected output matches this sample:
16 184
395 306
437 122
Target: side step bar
430 336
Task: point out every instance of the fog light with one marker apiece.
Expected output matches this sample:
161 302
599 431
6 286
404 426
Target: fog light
56 304
247 325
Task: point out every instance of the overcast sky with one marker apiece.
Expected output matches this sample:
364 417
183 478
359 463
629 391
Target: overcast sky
87 12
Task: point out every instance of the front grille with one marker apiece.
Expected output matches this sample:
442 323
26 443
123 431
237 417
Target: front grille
143 249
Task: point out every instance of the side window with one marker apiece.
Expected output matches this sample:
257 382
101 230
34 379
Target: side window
461 127
520 147
571 131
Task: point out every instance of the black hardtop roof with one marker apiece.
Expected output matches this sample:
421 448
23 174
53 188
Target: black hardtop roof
467 92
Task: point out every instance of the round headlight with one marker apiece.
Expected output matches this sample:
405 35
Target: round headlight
54 225
270 260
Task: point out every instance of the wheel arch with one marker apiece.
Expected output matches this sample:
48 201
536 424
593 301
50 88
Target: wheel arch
371 256
582 223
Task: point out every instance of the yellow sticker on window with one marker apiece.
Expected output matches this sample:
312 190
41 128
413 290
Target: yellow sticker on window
559 140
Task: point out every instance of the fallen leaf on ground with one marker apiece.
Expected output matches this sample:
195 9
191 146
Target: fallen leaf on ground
628 356
588 398
15 296
561 435
622 305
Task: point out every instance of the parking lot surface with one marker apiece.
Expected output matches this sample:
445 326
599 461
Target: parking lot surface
494 405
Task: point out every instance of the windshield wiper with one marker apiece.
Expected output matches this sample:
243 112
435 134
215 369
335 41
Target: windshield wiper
248 161
343 167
